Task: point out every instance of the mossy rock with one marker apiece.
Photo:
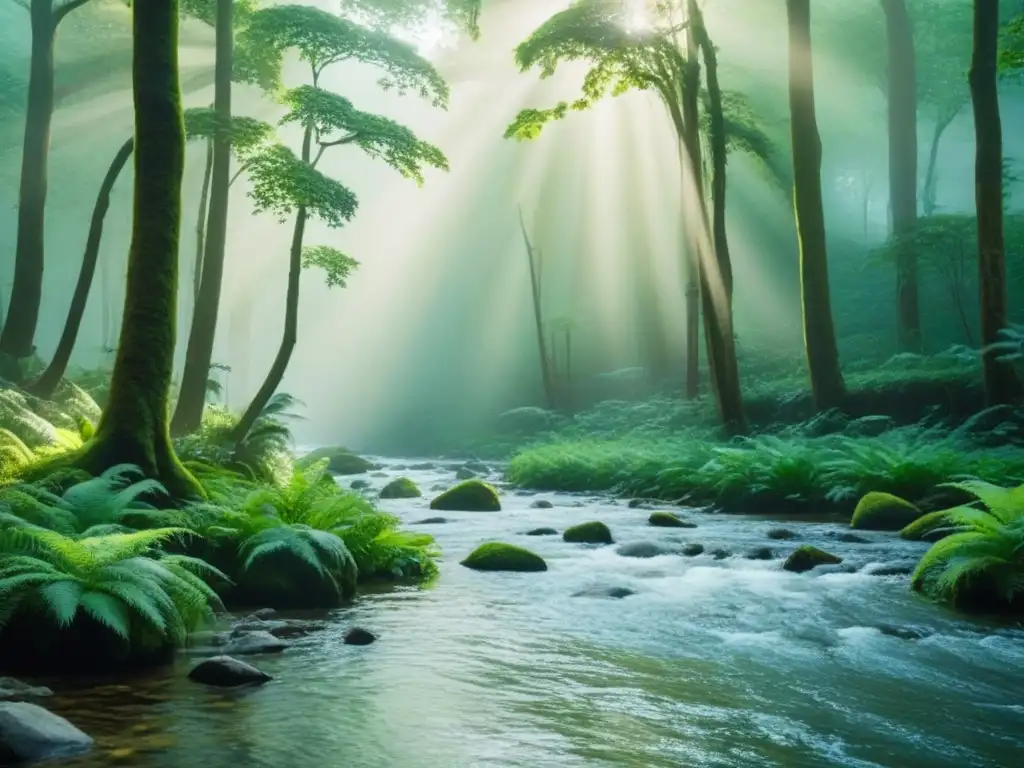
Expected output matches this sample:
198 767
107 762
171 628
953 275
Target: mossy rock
496 556
878 511
468 496
401 488
594 532
668 520
806 558
928 527
340 461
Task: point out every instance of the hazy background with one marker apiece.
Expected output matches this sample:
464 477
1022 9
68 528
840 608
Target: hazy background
435 330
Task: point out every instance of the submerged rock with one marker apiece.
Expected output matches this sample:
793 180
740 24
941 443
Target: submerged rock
226 672
15 690
642 503
542 532
878 511
468 496
359 636
846 537
401 488
720 553
904 633
464 473
359 485
541 504
641 549
594 532
692 550
497 556
760 553
29 733
668 520
425 466
477 466
616 593
251 643
806 558
781 534
431 521
891 569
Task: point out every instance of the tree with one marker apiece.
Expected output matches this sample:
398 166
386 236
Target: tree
827 385
134 426
292 186
18 335
621 59
533 257
1001 384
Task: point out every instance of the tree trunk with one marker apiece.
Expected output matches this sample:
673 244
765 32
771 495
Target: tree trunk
827 384
902 98
291 318
692 185
1001 384
47 384
134 428
199 353
551 401
204 198
930 178
17 338
719 335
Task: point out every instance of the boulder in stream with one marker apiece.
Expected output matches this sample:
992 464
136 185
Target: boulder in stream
692 550
497 556
760 553
359 636
15 690
253 643
878 511
226 672
542 532
431 521
806 558
340 461
668 520
615 593
594 532
541 504
781 534
464 473
29 733
401 488
641 549
468 496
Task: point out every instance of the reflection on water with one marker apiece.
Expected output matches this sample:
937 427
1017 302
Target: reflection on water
711 663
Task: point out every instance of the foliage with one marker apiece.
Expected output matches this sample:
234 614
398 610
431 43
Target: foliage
333 262
415 14
1011 53
282 183
247 134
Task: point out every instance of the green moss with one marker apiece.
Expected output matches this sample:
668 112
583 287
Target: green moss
468 496
594 532
668 520
877 511
496 556
925 527
340 461
806 558
401 488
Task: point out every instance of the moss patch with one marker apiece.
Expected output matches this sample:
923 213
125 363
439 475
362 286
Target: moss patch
877 511
594 532
468 496
806 558
402 488
668 520
927 527
496 556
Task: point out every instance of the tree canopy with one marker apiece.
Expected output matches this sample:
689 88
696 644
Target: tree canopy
336 265
282 182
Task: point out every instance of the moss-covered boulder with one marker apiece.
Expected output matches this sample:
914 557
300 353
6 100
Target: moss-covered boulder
468 496
594 532
401 488
878 511
340 461
930 527
806 558
496 556
668 520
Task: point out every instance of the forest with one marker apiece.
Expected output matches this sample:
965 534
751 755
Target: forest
634 382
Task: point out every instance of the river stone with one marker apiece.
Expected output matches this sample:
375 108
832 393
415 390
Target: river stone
262 613
29 733
642 503
424 467
892 569
359 484
226 672
594 532
668 520
692 550
279 628
642 549
542 532
846 537
252 643
541 504
401 488
468 496
477 466
904 633
720 553
15 690
616 593
759 553
806 558
359 636
781 534
877 511
431 521
464 473
498 556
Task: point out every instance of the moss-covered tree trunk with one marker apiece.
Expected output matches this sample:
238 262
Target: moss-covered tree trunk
199 353
822 352
902 100
719 335
134 425
291 317
47 384
1001 383
692 187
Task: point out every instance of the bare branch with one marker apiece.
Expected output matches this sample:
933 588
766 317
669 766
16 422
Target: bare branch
64 9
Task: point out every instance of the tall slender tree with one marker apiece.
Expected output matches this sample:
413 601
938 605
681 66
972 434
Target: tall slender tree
822 351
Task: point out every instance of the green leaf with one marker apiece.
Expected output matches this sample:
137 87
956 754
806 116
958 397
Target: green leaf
336 264
281 183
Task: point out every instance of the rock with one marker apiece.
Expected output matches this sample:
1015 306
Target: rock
847 537
542 532
781 534
668 520
468 496
464 473
878 511
641 503
280 628
359 636
400 488
226 672
497 556
15 690
904 633
252 643
594 532
805 558
425 466
720 553
431 521
642 549
891 569
760 553
541 504
29 733
692 550
930 527
477 466
359 485
378 474
439 487
340 461
616 593
262 613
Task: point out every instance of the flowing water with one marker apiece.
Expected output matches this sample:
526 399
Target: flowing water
716 663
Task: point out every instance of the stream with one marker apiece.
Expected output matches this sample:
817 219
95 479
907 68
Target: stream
717 663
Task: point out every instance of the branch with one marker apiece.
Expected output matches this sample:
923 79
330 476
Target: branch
63 10
22 3
343 140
